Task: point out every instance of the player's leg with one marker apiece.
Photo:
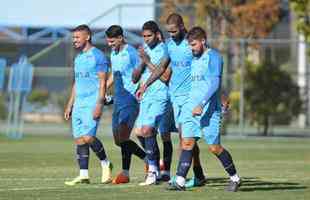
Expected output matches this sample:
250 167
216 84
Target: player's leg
180 116
212 137
191 133
166 126
82 148
153 112
121 133
90 127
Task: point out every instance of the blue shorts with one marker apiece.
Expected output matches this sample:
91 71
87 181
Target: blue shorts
208 125
167 123
179 108
83 123
151 113
124 115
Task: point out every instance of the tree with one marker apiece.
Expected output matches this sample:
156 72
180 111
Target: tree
270 94
301 9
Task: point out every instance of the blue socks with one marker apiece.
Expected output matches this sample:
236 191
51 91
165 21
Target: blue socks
227 162
184 162
98 148
168 150
82 152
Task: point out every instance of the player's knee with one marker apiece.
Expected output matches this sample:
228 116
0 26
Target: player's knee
146 131
88 139
166 137
215 149
188 144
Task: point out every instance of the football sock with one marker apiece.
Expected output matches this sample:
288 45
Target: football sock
82 152
227 162
167 157
185 162
98 148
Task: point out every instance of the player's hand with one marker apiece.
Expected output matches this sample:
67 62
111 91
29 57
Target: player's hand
67 113
144 57
140 92
197 111
98 111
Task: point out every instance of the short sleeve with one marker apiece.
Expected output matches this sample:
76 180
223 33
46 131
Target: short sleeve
134 57
102 64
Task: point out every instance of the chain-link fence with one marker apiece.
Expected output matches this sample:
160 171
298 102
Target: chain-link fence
259 97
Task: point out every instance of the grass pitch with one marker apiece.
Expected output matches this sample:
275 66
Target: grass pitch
37 166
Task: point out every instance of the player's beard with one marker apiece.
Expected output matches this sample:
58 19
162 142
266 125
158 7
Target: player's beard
178 38
152 44
79 48
197 54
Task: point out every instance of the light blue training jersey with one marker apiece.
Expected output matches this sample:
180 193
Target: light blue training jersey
206 76
158 89
123 63
180 62
86 67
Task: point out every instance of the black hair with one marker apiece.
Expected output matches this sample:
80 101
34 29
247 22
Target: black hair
85 28
114 31
151 26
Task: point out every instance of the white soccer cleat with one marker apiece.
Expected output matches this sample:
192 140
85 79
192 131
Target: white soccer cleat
107 173
78 180
151 179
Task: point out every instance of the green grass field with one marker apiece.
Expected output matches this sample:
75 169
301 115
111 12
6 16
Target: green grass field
37 166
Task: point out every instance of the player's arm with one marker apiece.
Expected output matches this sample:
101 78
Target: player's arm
213 83
102 76
137 72
157 71
110 81
213 78
153 77
102 68
69 106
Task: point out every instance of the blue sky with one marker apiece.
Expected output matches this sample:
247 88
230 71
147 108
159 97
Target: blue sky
69 13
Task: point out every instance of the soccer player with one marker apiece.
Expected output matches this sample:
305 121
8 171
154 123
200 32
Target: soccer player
154 100
124 59
166 126
204 110
179 86
86 102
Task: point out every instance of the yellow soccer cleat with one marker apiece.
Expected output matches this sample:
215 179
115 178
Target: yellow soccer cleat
107 173
78 180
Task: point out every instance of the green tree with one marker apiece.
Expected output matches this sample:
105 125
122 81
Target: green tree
301 9
270 94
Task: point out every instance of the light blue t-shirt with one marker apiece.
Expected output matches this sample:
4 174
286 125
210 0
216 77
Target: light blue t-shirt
86 67
206 80
180 62
123 63
158 89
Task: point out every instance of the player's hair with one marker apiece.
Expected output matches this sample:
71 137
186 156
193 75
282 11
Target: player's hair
196 33
114 31
85 28
176 19
151 26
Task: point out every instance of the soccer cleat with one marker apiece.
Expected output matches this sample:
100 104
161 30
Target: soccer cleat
151 179
120 178
233 186
107 173
165 177
78 180
195 182
173 185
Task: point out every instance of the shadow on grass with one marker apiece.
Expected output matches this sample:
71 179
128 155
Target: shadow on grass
255 184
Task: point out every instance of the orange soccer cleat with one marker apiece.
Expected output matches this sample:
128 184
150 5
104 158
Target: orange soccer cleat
120 179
